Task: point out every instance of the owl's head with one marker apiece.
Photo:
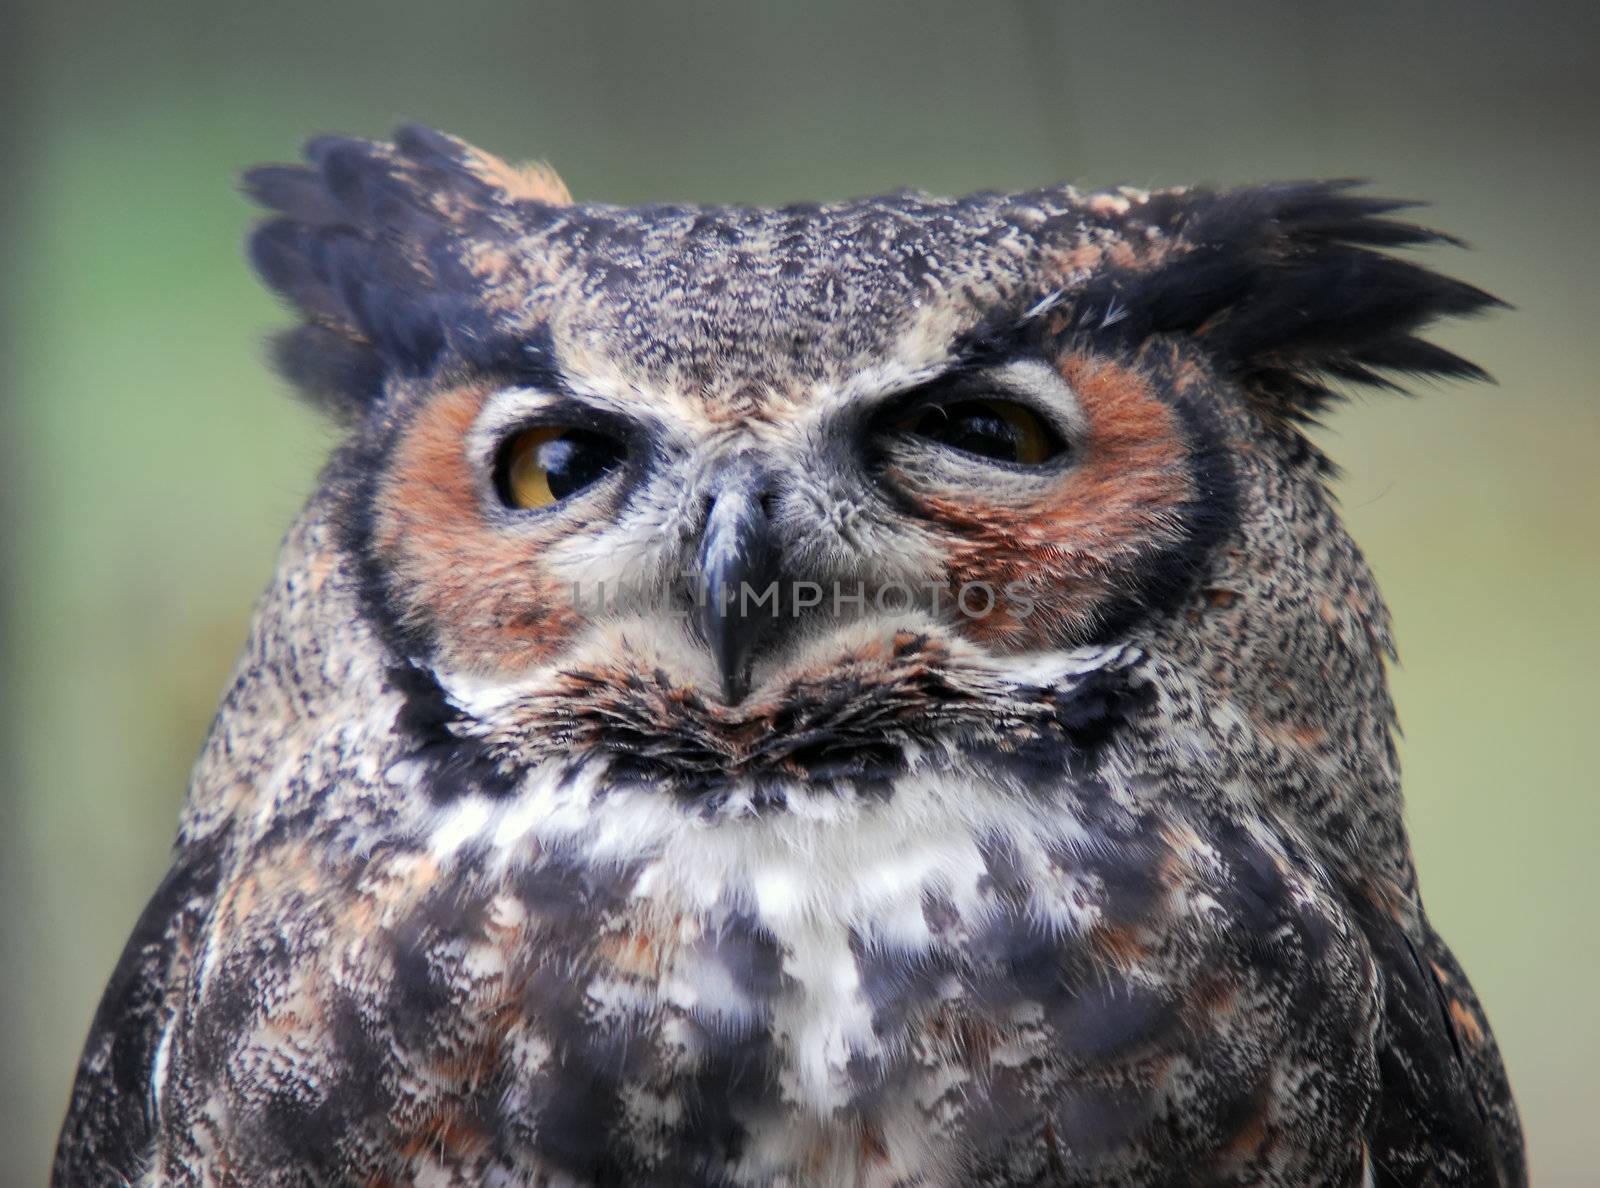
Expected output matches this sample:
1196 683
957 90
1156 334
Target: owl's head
809 493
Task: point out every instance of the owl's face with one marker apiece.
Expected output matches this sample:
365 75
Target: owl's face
591 519
683 482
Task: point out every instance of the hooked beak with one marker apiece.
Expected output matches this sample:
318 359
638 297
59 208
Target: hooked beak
738 564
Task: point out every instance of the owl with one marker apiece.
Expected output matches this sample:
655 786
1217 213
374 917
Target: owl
874 693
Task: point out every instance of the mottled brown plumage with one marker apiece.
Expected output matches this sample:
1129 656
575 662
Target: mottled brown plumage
512 859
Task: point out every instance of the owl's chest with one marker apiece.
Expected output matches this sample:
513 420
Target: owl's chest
906 997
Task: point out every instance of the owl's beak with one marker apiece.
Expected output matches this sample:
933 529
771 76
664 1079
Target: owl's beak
738 561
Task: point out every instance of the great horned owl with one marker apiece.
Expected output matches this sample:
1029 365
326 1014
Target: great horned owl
873 693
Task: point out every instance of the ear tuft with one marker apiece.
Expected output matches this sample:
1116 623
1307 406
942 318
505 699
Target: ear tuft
372 244
1294 286
532 181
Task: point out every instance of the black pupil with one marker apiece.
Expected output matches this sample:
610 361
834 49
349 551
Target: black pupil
575 459
972 427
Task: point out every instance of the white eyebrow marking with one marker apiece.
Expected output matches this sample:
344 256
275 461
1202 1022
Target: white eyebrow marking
1036 378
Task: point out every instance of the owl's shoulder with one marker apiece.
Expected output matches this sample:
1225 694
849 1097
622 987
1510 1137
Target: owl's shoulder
1445 1108
110 1130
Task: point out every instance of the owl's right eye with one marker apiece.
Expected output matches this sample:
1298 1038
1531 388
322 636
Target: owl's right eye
543 465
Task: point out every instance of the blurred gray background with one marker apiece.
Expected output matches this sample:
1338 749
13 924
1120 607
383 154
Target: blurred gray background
151 462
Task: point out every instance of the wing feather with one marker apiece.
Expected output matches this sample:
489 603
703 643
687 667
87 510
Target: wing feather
110 1129
1445 1112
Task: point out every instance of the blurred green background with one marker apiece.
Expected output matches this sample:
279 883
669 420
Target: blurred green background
151 462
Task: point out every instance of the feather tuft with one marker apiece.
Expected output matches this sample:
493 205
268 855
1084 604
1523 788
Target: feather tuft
369 242
1295 286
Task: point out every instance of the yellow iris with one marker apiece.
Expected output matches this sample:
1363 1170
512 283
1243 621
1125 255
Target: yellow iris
1034 442
527 472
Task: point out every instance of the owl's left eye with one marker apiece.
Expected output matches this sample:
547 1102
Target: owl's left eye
1000 430
546 464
